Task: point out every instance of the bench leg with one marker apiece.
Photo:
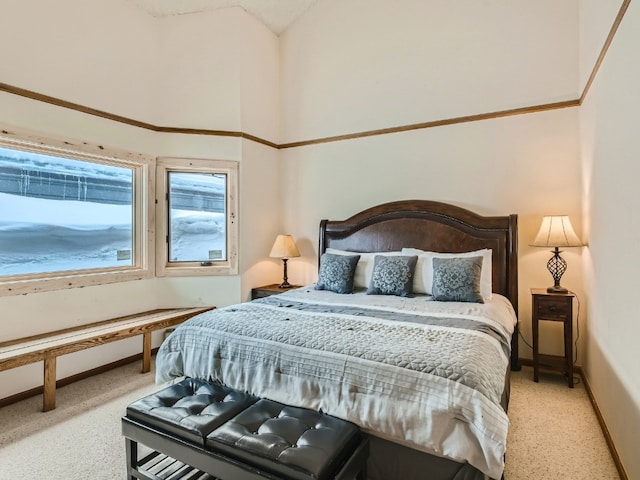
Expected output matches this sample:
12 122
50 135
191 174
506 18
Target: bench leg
49 389
146 352
132 458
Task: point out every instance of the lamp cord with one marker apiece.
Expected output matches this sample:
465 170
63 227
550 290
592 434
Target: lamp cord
524 339
575 344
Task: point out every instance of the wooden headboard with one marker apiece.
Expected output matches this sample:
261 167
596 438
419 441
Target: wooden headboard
436 227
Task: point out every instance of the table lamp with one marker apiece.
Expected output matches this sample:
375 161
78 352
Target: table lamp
285 248
556 231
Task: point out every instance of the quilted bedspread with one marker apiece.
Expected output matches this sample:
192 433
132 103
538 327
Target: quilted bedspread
428 375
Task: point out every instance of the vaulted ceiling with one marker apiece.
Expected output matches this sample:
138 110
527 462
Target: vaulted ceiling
277 15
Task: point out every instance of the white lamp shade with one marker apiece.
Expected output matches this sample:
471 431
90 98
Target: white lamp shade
556 231
284 247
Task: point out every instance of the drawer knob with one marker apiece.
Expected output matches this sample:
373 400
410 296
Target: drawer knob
552 308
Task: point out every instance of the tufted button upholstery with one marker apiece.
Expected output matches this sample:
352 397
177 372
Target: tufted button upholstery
190 409
291 442
234 435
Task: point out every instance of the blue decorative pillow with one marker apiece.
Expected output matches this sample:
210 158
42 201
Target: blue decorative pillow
337 272
393 275
457 279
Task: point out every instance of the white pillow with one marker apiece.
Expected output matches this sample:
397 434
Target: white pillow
423 277
364 268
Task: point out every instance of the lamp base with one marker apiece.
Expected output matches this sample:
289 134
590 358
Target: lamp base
556 266
557 289
285 281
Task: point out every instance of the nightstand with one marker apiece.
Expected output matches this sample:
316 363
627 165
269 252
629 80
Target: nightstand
267 290
553 307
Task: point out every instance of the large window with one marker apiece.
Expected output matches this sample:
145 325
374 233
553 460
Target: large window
69 217
197 207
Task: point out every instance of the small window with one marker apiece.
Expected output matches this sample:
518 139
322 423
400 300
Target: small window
198 212
68 218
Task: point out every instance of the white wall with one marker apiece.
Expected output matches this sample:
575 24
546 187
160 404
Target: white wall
388 64
199 70
610 169
100 53
596 18
259 52
181 72
357 65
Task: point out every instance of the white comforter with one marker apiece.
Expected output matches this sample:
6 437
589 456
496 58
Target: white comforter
424 374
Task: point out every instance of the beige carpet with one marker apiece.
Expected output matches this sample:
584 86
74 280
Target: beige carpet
554 432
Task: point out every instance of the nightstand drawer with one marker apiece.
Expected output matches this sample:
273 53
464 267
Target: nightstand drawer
554 308
268 290
261 293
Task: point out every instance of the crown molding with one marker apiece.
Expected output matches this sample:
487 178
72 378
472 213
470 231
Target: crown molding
605 48
438 123
226 133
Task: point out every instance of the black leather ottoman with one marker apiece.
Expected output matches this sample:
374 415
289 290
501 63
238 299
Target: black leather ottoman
198 429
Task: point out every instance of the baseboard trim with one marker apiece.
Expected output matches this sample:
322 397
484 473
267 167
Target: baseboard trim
73 378
603 426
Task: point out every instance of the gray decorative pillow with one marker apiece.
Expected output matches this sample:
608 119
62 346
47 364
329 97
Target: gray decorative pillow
457 279
393 275
337 272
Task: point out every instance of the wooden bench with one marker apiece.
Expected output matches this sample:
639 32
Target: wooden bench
48 346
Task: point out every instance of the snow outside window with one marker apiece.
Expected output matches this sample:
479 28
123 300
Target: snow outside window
60 214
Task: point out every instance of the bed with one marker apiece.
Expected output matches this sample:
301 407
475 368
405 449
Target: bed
427 379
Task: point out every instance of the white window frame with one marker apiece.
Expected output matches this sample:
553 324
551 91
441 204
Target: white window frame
164 268
143 215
